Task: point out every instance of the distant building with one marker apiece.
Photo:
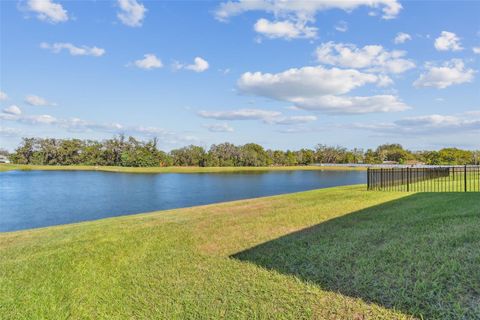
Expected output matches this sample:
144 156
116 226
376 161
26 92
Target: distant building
389 162
4 159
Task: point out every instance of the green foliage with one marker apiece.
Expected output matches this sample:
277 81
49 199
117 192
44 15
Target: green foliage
455 156
393 152
130 152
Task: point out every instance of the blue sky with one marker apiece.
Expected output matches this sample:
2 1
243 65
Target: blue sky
280 73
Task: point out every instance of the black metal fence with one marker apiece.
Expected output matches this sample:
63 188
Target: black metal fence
425 179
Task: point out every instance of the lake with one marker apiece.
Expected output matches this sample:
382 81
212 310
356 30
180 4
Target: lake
32 199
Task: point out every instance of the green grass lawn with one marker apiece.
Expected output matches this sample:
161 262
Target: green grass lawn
451 183
10 167
339 253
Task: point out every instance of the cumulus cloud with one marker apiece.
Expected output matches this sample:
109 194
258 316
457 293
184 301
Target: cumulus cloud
131 12
476 50
72 49
149 61
79 125
199 65
3 96
47 10
34 100
321 89
28 119
39 119
284 29
449 73
402 37
448 41
219 127
384 81
372 57
306 81
241 114
266 116
13 110
304 10
353 105
427 124
292 120
341 26
292 16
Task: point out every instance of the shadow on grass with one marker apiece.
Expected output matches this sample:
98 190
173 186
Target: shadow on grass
419 255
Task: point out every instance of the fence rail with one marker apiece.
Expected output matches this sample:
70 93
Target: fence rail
425 179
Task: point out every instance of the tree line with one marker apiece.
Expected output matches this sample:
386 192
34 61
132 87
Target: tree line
130 152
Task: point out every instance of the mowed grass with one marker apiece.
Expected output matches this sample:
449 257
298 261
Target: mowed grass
339 253
11 167
451 183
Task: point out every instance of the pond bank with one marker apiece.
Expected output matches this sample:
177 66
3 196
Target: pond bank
9 167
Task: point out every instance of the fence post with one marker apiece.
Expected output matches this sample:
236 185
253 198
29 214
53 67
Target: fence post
408 179
465 177
368 178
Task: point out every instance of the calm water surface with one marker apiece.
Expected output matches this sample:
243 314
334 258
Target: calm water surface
32 199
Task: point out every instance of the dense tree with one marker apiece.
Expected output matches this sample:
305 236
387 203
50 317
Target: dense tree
393 152
223 155
455 156
189 156
122 151
253 155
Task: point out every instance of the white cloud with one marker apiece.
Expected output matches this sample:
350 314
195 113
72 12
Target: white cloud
72 49
219 127
269 117
292 120
321 89
384 81
352 105
303 10
40 119
3 96
341 26
47 10
284 29
132 13
427 124
476 50
293 16
449 73
34 100
43 119
306 81
13 110
79 125
241 114
402 37
374 57
199 65
150 61
448 41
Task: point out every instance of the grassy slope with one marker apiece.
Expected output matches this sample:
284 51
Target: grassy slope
9 167
339 253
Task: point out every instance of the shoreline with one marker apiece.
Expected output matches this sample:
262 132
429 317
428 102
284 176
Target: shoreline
15 167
